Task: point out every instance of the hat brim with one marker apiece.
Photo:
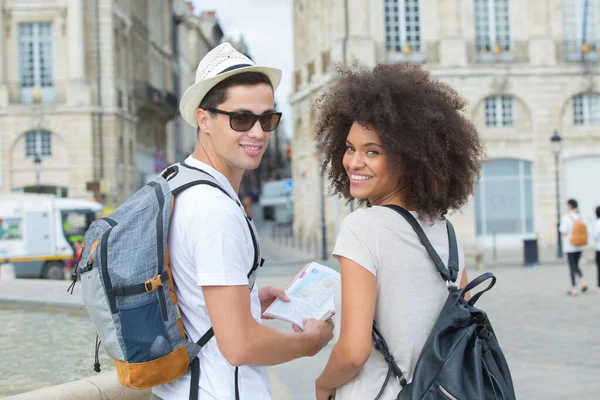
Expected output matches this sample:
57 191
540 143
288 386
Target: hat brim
194 94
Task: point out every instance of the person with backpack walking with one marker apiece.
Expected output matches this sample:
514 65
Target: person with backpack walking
596 234
574 239
211 248
398 142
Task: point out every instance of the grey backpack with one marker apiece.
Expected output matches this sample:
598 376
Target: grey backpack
128 287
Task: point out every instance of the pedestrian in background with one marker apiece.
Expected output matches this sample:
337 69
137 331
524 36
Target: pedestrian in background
574 239
596 236
391 136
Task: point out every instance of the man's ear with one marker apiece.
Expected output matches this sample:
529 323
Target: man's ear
203 120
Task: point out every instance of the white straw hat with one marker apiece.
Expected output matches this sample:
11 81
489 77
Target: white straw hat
218 64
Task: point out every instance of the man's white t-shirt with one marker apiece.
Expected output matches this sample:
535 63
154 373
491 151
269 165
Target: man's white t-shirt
566 228
209 245
410 290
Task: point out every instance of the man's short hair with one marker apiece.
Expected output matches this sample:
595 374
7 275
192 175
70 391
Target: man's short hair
572 203
218 94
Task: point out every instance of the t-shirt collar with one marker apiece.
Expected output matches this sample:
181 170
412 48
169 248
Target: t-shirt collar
223 181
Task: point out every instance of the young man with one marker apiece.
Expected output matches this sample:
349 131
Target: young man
210 243
573 252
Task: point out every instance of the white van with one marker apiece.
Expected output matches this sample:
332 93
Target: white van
38 232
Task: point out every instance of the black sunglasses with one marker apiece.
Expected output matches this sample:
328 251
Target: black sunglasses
243 121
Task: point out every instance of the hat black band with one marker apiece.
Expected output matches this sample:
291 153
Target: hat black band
237 66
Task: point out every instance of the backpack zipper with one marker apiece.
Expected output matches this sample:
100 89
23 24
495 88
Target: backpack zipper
446 393
104 265
90 262
160 255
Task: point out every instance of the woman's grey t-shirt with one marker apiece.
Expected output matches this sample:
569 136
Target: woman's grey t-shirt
410 291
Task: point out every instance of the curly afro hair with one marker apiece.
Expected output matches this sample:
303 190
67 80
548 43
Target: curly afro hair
422 127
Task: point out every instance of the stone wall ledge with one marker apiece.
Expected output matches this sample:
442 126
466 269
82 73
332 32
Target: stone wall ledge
104 386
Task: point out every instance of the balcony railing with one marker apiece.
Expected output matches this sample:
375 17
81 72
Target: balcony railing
52 93
572 51
147 96
172 101
407 54
516 52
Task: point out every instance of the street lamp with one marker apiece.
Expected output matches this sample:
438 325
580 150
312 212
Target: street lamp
323 222
323 211
37 160
556 148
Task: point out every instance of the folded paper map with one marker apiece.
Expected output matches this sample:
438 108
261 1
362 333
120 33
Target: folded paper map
311 296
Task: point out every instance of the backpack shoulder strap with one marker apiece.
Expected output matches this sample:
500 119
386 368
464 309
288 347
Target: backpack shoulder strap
447 274
181 176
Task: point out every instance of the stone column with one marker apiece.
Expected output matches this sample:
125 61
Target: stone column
542 48
75 39
78 89
452 46
2 44
3 59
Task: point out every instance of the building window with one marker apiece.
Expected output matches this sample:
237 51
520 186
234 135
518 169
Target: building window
174 34
311 70
36 58
325 61
492 27
297 80
403 28
580 27
504 198
38 142
499 111
586 109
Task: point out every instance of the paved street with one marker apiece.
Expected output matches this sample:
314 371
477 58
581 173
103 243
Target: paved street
549 339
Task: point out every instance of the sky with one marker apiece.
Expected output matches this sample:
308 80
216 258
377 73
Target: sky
267 27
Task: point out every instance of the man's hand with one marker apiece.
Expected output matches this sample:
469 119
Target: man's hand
320 332
324 394
267 295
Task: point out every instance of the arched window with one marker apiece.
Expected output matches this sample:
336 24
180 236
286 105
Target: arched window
586 109
499 111
39 143
504 198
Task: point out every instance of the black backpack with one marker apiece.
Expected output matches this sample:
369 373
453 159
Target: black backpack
461 358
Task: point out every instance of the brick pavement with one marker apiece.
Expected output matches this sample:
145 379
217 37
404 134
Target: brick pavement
549 339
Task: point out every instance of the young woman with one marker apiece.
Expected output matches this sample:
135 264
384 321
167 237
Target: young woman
573 252
391 135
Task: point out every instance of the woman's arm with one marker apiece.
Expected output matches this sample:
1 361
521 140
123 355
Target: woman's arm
350 353
463 282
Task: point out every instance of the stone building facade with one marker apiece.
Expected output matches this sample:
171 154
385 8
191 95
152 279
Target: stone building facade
528 68
89 92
